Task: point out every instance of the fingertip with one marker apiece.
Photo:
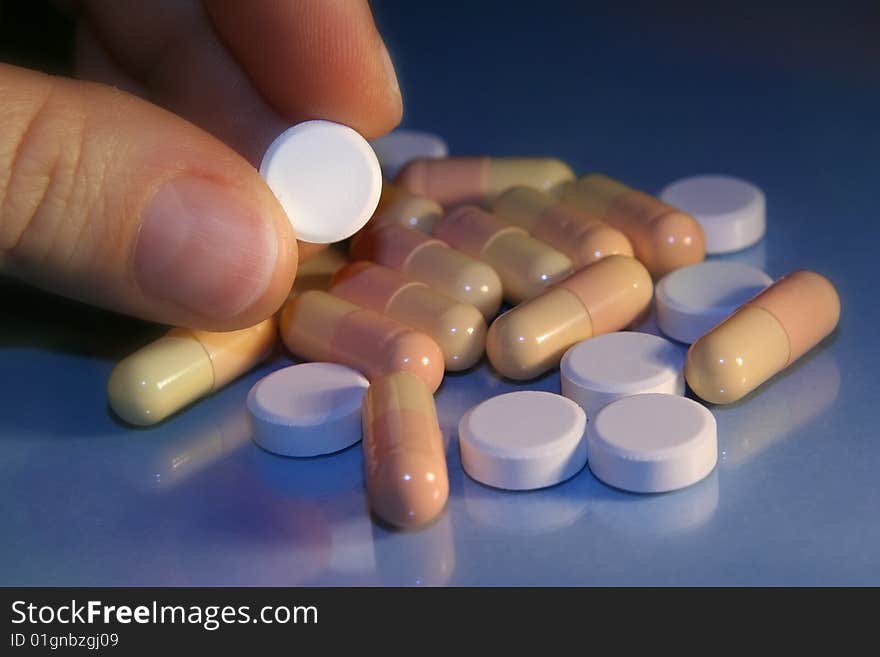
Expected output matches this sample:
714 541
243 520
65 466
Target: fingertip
283 274
314 59
218 256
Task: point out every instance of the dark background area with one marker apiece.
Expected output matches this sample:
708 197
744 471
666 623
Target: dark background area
841 38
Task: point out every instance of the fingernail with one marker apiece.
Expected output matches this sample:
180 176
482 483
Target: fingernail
390 72
204 248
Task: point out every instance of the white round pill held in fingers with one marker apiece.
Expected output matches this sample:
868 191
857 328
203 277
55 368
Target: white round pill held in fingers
307 410
523 440
730 210
600 370
398 147
652 443
694 299
326 177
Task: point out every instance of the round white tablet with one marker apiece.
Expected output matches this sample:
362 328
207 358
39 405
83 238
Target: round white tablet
326 177
730 210
694 299
523 440
598 371
398 147
308 409
652 443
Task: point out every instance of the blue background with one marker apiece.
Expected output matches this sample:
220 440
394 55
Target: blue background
790 101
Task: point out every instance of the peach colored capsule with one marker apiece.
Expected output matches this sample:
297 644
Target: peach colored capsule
431 261
606 296
576 233
478 180
525 265
397 205
182 366
404 456
663 238
763 337
319 326
458 328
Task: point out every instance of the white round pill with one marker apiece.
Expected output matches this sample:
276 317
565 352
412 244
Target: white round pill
307 410
326 177
398 147
694 299
523 440
730 210
652 443
600 370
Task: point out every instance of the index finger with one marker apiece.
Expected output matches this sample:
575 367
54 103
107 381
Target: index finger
314 59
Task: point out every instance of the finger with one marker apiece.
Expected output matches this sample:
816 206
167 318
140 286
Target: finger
170 47
113 201
314 59
95 63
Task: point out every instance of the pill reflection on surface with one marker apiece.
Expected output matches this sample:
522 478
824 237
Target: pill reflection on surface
806 392
422 558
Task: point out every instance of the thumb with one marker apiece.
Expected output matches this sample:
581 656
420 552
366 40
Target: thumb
115 202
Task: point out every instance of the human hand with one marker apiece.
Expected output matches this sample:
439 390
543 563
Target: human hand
157 210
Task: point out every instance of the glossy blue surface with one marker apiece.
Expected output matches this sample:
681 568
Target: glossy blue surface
795 498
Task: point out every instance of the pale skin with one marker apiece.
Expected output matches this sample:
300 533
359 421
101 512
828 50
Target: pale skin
134 187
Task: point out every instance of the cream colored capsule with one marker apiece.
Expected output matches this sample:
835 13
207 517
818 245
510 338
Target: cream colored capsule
663 238
606 296
317 272
182 366
320 326
457 180
397 205
458 328
431 261
574 232
763 337
525 265
404 457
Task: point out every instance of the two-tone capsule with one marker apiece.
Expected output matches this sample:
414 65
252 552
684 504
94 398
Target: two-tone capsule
431 261
182 366
663 238
458 328
404 458
606 296
763 337
454 181
397 205
319 326
579 235
526 266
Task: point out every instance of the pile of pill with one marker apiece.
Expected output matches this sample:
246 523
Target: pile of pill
433 255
